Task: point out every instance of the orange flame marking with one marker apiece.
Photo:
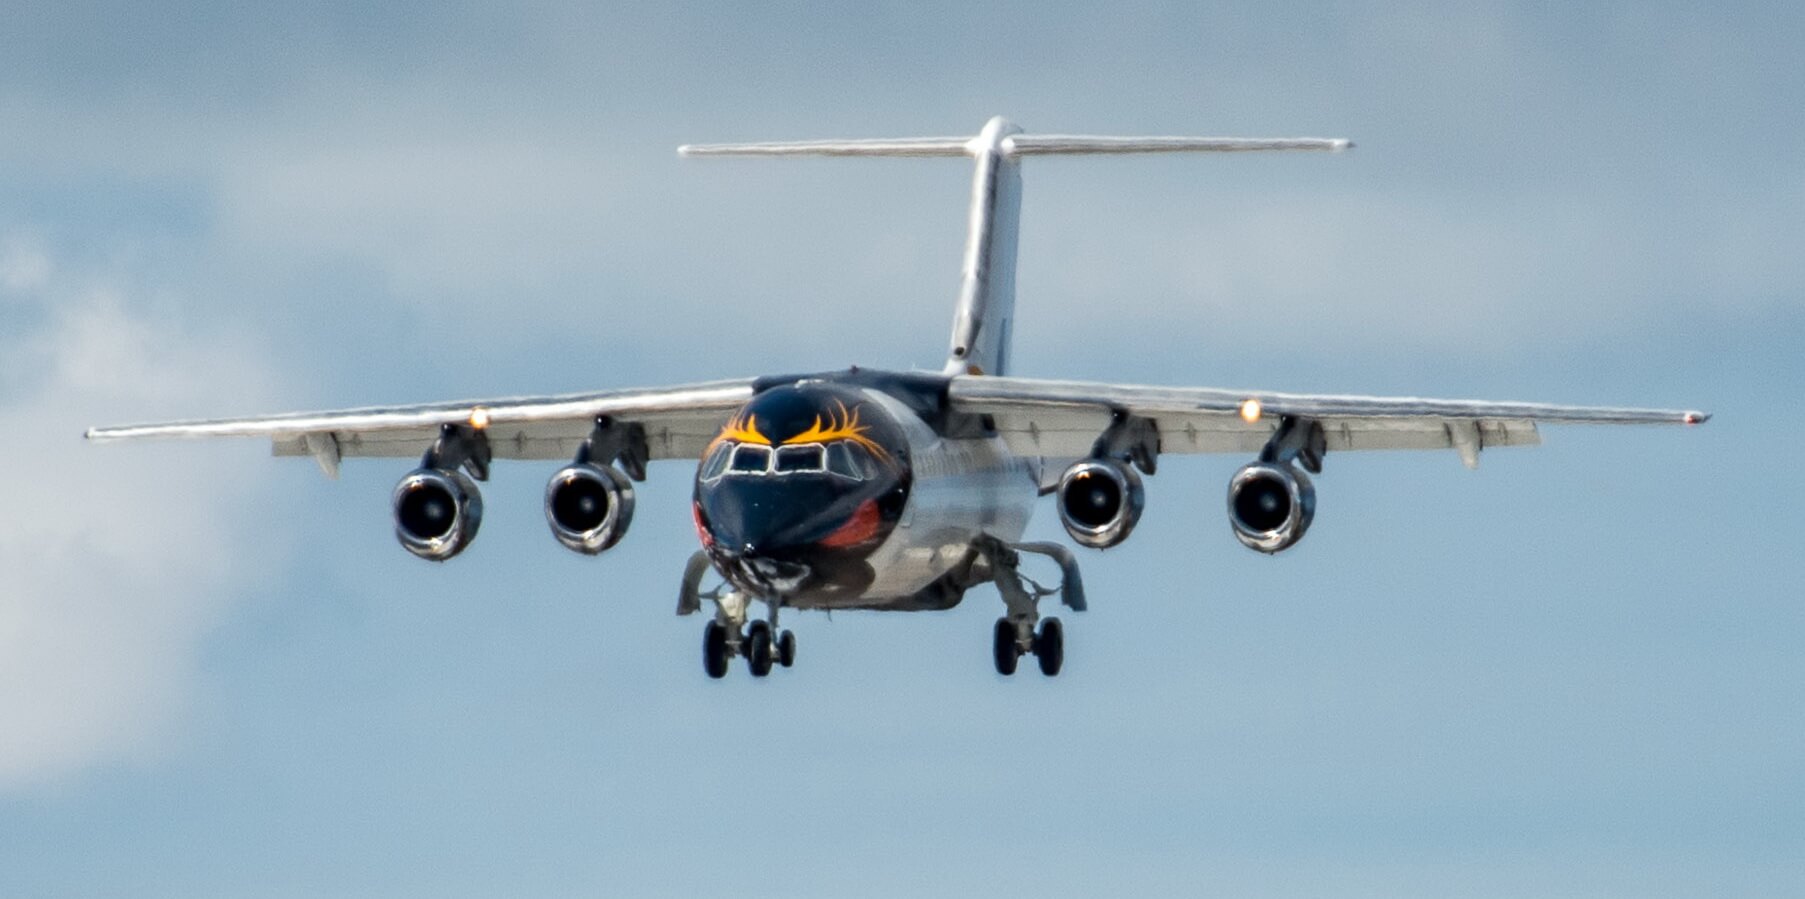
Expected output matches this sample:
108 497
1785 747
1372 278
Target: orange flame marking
741 429
845 426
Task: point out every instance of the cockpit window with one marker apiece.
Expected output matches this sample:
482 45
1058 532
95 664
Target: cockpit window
717 462
843 458
861 460
751 459
808 457
839 461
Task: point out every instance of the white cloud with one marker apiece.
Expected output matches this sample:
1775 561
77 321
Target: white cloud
116 560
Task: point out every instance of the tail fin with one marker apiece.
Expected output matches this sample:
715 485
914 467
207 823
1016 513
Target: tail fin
981 325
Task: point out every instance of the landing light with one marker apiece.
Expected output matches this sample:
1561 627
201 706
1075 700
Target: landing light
479 418
1250 410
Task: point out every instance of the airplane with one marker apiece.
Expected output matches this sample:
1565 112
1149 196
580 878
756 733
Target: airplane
887 490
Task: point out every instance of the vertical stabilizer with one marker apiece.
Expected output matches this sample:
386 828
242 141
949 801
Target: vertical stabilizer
980 343
983 321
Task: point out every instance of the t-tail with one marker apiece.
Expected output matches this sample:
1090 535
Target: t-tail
982 322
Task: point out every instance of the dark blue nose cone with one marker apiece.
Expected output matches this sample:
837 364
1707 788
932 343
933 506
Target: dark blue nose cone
775 517
803 483
791 536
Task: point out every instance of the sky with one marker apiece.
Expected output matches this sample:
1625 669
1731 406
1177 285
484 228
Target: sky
1574 672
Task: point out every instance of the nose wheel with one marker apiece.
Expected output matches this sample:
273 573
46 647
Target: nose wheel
715 650
786 649
760 642
758 649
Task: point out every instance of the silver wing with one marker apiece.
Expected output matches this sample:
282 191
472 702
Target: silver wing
1062 419
679 423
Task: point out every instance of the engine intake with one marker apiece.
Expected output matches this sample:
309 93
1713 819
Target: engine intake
437 512
1100 502
589 507
1270 506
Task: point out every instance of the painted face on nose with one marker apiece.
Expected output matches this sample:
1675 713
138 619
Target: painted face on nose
801 486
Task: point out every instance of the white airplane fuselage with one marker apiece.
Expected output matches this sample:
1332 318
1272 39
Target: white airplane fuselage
965 489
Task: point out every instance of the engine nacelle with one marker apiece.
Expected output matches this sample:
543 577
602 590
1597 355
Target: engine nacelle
589 506
1270 506
1100 502
437 512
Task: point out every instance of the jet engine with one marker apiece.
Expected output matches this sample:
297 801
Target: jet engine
1100 502
1270 506
437 512
589 506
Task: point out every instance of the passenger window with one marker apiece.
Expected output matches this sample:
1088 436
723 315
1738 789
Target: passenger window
800 458
839 461
717 462
750 459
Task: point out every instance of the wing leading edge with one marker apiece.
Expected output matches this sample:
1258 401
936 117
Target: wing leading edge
1064 418
679 422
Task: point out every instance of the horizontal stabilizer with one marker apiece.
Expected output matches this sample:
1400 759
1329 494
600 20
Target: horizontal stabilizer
908 146
1083 144
1018 145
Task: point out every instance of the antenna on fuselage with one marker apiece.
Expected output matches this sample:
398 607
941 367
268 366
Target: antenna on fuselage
981 324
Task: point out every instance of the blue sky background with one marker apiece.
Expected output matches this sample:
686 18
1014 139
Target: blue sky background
1574 672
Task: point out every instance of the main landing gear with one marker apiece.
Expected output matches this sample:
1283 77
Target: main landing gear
1047 645
1016 634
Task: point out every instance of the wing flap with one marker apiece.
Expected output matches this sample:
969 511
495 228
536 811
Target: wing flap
1064 418
675 440
1072 436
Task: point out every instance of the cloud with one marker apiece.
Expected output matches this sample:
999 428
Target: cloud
118 560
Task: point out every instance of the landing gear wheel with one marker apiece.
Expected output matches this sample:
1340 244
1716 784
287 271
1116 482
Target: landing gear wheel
1049 646
758 648
1006 651
786 649
714 650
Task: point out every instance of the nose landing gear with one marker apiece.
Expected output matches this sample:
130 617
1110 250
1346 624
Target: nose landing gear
729 635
